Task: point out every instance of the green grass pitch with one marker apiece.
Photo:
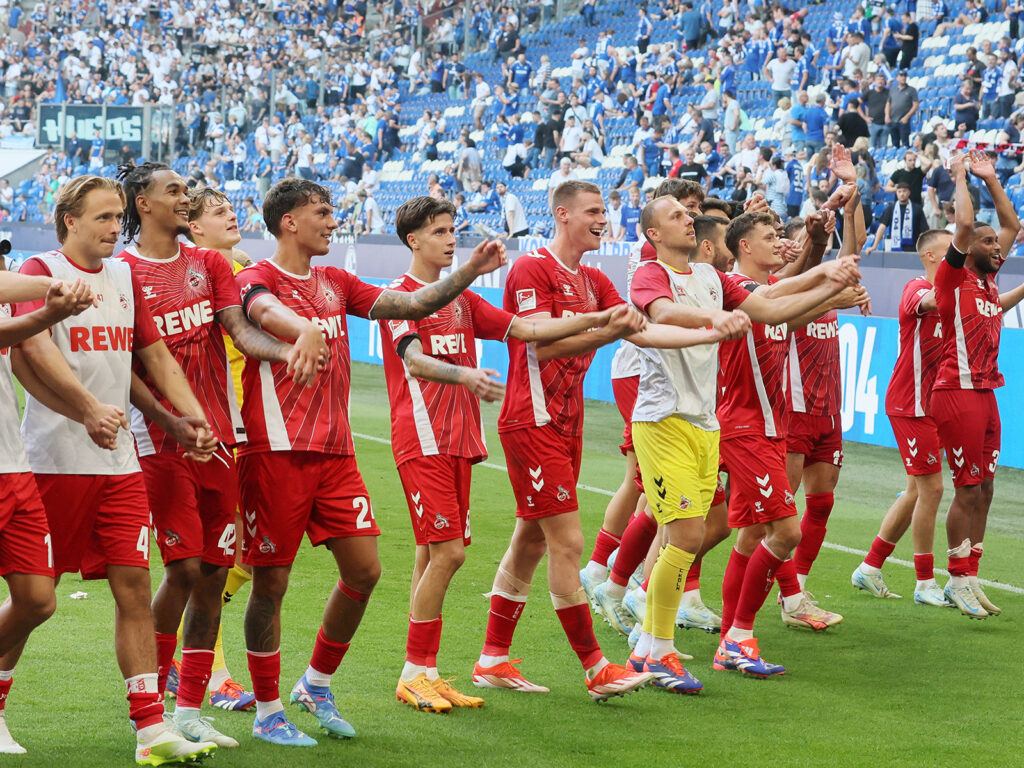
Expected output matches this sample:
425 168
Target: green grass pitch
895 684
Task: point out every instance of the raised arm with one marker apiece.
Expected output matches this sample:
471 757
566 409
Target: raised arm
1009 224
963 209
400 305
815 241
480 381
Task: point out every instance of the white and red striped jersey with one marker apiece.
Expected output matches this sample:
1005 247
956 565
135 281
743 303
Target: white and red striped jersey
910 388
429 418
279 414
815 384
752 377
972 319
549 391
13 458
185 293
97 345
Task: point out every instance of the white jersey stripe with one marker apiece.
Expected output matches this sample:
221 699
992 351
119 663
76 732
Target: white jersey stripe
762 394
420 416
237 425
277 433
918 407
796 381
962 362
540 411
143 441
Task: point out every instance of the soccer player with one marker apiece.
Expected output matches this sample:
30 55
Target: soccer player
297 470
679 451
24 533
963 402
814 439
540 429
751 409
434 385
908 405
95 498
192 295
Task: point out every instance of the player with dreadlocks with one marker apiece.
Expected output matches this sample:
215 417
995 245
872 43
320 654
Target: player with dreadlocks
192 295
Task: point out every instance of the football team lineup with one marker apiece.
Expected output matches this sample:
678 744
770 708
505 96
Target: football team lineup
176 390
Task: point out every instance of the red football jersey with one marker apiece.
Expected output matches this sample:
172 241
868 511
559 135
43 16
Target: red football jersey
910 388
972 319
280 415
184 293
549 391
428 418
752 377
814 375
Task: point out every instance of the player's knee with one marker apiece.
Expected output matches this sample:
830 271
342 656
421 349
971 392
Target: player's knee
38 606
366 579
448 558
968 495
183 574
929 488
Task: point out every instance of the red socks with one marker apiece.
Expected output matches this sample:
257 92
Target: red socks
145 702
579 628
636 542
924 565
196 664
165 647
422 642
975 559
327 654
604 546
265 671
732 583
693 576
812 530
786 576
880 550
757 582
501 624
959 566
5 688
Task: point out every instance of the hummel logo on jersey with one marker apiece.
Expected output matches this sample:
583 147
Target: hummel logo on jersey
659 483
910 462
765 489
417 507
538 481
758 507
250 523
148 292
529 501
563 495
912 445
958 456
567 290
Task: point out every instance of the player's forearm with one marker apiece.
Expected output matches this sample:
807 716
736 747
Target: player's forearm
49 366
17 329
35 386
15 287
1012 298
252 342
573 346
146 402
673 337
787 308
807 281
855 216
400 305
963 215
169 379
425 367
683 316
547 329
808 258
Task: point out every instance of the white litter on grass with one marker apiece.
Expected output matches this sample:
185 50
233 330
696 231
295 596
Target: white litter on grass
79 595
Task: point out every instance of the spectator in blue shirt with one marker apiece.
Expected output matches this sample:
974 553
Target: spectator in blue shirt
521 71
690 25
96 151
796 121
797 186
644 27
891 46
633 176
815 121
630 216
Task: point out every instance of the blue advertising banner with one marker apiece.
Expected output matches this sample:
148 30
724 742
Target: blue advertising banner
868 347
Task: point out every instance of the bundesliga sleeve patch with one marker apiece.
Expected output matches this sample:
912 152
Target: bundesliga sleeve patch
526 299
398 328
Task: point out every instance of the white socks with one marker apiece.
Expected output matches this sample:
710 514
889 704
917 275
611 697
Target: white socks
411 671
597 571
319 679
265 709
492 661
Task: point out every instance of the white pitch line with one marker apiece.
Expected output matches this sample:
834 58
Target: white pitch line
828 544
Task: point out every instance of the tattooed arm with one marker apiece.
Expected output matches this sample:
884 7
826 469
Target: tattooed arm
480 381
399 305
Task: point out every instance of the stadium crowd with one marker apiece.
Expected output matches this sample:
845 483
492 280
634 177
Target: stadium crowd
675 89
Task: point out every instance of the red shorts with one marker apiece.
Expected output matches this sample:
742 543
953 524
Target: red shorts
193 506
816 438
625 392
24 533
759 487
968 424
437 492
96 521
288 493
720 497
543 466
918 440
